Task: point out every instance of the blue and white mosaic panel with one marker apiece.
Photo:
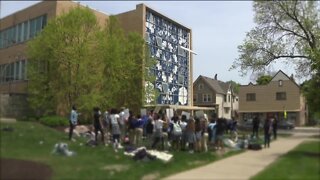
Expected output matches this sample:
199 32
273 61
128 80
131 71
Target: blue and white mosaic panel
165 39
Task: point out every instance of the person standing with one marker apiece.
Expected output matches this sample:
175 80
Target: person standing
115 128
221 127
73 120
158 135
190 133
204 133
267 132
97 124
255 127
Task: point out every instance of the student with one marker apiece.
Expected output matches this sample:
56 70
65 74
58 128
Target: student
115 129
158 124
138 130
183 125
131 128
97 124
204 133
234 133
212 132
73 121
198 134
165 129
267 132
149 130
190 131
255 126
176 133
221 126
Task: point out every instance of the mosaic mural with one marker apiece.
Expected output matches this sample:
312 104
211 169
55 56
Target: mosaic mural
165 39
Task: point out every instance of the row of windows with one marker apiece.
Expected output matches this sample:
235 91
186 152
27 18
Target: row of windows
205 98
13 72
279 96
22 31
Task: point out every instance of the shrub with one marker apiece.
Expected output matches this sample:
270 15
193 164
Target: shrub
54 121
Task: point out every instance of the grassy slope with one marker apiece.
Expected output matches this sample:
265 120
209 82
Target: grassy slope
24 143
301 163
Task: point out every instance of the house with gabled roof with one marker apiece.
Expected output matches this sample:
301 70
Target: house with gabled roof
210 92
281 97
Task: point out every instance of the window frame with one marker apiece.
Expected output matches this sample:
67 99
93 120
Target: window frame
251 97
281 96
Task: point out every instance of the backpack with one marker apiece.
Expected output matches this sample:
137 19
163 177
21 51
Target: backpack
177 131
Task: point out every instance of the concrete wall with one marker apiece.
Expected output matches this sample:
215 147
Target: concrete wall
14 105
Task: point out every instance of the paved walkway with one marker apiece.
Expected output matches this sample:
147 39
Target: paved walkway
247 164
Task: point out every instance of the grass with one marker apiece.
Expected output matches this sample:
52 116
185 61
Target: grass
303 162
89 163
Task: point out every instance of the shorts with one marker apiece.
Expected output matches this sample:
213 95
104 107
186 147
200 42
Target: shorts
116 137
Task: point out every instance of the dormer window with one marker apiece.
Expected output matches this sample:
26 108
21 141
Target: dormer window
280 83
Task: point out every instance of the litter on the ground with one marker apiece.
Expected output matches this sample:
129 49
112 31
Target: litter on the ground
62 149
146 155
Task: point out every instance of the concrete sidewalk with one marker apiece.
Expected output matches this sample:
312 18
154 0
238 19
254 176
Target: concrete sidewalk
247 164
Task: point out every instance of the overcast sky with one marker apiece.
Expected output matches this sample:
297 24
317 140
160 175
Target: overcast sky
218 27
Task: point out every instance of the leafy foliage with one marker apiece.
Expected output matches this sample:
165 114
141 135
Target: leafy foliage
235 86
76 61
285 30
63 68
264 79
54 121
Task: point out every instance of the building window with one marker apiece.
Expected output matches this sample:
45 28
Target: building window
207 98
195 98
224 98
251 96
280 83
281 96
226 110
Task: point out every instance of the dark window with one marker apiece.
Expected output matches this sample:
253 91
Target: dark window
281 96
251 97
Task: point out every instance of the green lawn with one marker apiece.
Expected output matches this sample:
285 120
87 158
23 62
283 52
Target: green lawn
301 163
89 163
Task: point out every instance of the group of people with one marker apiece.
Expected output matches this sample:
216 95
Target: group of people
158 131
270 127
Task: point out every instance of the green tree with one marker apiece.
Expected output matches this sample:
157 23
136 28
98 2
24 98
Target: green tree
63 64
126 63
286 30
235 86
84 64
263 80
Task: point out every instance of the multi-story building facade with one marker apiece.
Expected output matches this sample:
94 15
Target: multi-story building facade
164 36
282 95
210 92
167 41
